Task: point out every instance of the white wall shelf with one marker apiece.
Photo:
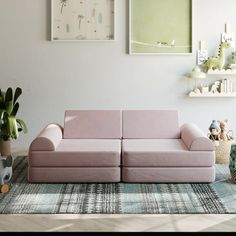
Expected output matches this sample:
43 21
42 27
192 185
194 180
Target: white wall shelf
211 95
222 72
217 73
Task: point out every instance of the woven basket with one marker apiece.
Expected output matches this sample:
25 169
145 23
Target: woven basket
223 151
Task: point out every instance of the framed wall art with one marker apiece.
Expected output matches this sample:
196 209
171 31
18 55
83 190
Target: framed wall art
82 20
160 27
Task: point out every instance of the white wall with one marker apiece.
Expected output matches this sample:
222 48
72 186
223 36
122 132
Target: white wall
58 76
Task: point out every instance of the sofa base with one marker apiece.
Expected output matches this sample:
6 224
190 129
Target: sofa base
169 175
74 175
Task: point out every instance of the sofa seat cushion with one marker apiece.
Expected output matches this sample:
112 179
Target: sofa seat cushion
168 174
163 153
74 174
79 153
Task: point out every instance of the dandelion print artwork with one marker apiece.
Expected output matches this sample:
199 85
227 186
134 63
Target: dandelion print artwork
63 4
82 19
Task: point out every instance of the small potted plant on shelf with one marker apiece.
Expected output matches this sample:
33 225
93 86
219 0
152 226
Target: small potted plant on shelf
10 125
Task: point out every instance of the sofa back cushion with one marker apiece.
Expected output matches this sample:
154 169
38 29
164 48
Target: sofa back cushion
92 124
153 124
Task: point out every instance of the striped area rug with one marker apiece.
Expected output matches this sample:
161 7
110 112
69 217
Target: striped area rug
121 198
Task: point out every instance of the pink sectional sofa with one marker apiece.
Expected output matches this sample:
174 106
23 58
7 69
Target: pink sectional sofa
114 146
88 149
156 149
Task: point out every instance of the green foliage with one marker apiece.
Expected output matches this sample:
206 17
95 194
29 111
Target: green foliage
10 126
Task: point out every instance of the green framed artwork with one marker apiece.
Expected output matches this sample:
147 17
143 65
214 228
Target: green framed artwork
160 27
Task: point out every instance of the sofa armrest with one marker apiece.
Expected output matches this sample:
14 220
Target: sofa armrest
48 139
194 138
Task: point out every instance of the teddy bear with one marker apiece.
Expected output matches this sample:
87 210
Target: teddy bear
224 131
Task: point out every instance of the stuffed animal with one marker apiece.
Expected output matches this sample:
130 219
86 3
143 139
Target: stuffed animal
5 173
219 61
214 131
224 131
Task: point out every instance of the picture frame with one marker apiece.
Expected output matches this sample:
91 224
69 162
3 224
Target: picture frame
84 20
228 37
202 53
202 56
160 27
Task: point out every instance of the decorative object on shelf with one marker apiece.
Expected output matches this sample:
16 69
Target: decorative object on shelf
232 61
10 126
202 53
152 30
5 173
227 36
219 61
220 88
196 74
232 163
215 88
226 86
204 89
196 91
233 58
83 20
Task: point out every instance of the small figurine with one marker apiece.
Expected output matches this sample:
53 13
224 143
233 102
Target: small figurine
232 61
204 89
5 173
215 87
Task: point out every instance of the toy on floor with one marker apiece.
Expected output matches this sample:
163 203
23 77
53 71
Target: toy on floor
224 133
5 173
214 131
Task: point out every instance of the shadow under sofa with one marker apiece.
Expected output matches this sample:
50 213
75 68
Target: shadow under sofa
105 146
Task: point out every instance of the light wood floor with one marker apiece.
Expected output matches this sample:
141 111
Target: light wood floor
118 223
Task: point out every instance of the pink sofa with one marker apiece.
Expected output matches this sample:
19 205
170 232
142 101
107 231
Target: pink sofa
156 149
88 149
129 146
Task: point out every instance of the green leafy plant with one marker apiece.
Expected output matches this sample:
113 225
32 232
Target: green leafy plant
10 126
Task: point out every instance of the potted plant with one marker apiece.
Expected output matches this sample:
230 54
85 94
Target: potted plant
10 125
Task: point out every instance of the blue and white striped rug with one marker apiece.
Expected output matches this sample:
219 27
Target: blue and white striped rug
122 198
